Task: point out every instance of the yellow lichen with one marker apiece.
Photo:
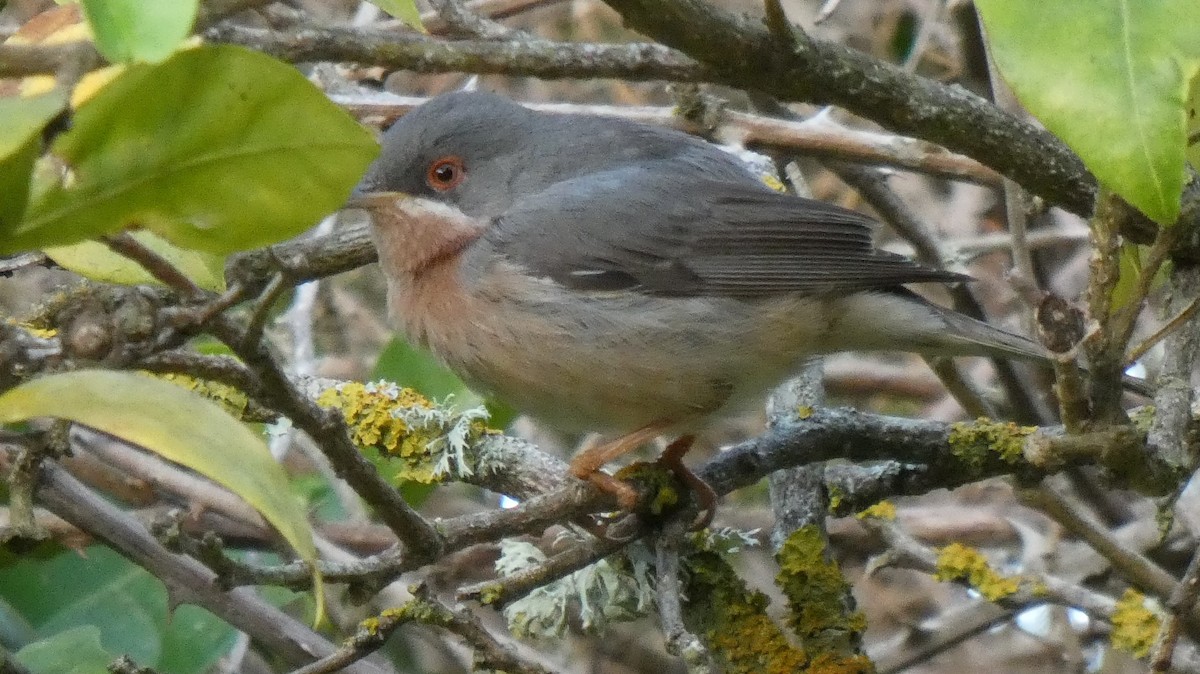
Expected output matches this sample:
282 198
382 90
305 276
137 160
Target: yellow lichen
822 614
231 399
830 663
884 510
35 330
774 183
380 417
976 443
733 621
804 411
370 625
1135 627
836 496
959 562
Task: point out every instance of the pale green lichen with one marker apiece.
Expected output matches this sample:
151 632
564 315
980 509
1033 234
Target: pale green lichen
978 442
724 540
957 562
818 595
1143 417
618 588
1135 625
430 441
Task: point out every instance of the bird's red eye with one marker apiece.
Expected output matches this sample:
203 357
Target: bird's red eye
445 173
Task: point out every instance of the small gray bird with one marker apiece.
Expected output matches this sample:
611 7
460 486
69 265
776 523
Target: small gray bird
605 275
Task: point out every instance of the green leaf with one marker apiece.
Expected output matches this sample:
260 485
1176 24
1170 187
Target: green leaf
180 426
96 261
76 651
139 30
405 10
400 362
21 122
216 149
23 118
1109 77
128 605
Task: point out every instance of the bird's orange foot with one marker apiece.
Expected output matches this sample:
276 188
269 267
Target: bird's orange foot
706 498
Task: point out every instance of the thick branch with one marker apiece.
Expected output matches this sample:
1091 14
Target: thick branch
745 54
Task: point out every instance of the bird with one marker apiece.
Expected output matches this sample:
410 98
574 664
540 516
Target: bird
605 275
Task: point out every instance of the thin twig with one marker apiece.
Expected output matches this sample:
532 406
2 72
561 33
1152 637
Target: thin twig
1170 326
188 580
159 267
464 22
680 642
1137 568
1181 601
505 590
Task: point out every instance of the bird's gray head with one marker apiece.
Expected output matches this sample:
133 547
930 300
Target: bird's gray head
480 152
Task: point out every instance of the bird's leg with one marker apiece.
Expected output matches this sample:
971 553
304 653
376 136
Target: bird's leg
706 498
586 464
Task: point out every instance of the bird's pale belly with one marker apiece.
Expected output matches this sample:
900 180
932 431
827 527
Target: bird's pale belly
610 362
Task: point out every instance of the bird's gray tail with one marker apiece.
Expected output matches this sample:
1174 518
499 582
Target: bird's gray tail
965 336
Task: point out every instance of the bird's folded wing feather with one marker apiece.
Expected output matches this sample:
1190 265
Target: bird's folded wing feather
647 230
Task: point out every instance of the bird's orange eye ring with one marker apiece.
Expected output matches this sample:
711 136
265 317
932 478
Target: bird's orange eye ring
446 173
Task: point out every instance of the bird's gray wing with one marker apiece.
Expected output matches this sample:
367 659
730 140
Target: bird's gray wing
647 230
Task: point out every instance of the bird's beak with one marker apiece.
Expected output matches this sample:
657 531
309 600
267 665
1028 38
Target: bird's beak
370 201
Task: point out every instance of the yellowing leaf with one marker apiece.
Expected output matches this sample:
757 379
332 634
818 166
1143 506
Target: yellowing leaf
96 261
178 425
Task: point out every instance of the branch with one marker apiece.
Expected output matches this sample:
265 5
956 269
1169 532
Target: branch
188 580
532 58
740 52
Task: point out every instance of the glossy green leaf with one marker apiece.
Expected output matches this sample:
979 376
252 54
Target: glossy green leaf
405 10
1193 151
217 149
139 30
177 424
96 261
15 172
21 123
1109 77
76 651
